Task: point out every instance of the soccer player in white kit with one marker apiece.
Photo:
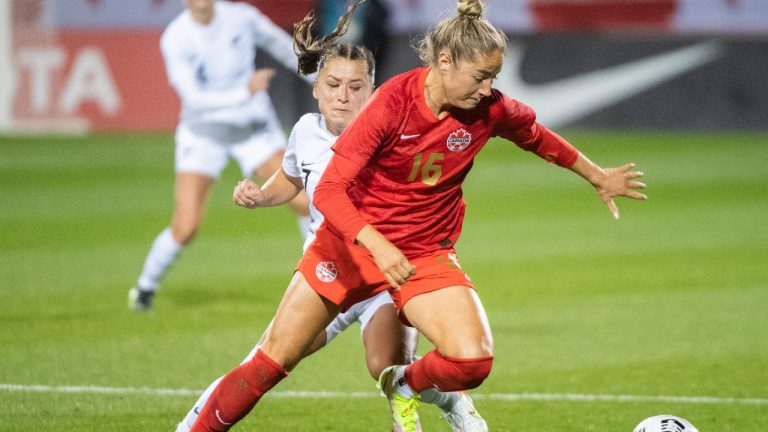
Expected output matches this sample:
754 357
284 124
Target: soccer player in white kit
209 52
343 86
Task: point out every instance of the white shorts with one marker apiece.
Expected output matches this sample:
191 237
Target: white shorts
362 312
206 149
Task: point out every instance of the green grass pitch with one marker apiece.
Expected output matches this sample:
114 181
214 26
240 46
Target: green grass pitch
669 301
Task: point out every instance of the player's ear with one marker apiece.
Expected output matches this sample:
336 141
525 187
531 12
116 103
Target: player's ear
443 61
314 89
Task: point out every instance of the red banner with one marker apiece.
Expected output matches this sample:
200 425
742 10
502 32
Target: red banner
94 80
564 15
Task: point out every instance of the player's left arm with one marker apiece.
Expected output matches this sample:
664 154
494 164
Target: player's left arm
610 182
280 188
517 122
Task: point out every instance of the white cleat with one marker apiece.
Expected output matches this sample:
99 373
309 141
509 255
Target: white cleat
463 417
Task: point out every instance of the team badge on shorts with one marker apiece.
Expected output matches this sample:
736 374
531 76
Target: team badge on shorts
326 271
458 140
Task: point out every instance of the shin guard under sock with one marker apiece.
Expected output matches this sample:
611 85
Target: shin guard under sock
447 373
238 392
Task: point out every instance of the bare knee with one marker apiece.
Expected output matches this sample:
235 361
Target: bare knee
376 366
481 348
387 342
476 345
377 360
285 355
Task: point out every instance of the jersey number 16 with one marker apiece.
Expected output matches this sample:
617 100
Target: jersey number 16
430 171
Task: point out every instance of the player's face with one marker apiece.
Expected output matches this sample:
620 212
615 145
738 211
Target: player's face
201 8
466 82
341 90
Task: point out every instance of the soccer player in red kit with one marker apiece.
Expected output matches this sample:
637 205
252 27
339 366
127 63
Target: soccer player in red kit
392 200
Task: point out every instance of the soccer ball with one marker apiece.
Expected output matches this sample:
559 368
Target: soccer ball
665 423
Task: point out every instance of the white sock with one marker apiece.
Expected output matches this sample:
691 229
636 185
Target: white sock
191 417
304 222
194 412
164 252
444 400
401 387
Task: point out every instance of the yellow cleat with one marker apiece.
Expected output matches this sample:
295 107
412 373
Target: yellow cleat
405 413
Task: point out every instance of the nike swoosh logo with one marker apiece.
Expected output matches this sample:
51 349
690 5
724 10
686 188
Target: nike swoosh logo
407 137
218 417
306 163
563 101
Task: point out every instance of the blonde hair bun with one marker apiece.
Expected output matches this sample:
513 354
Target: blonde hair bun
472 9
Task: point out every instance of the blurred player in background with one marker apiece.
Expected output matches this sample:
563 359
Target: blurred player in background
343 86
392 200
209 52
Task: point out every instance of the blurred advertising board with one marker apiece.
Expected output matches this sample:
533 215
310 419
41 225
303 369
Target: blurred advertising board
95 65
545 16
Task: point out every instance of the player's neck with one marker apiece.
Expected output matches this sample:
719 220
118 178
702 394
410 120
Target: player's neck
433 94
202 16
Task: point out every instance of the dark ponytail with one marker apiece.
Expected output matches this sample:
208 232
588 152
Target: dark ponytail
314 53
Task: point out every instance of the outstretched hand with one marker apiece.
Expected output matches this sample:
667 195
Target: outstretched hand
619 182
260 80
248 194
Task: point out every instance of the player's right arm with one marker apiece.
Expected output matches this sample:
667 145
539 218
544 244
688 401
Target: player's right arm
352 151
333 202
389 259
277 190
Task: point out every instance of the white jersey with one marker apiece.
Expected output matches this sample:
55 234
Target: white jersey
307 155
210 65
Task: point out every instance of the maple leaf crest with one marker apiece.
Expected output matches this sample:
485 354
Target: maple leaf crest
458 140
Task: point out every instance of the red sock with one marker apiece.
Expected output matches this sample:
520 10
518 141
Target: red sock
447 373
238 392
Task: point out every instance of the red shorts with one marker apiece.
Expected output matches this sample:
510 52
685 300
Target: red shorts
346 273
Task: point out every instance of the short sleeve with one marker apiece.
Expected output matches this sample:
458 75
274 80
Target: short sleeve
290 162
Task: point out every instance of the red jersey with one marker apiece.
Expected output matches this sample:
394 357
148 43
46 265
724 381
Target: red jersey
400 168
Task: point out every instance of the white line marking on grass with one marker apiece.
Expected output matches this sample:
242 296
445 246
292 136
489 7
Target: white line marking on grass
619 398
98 390
568 397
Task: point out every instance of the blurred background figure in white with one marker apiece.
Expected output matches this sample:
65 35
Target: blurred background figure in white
209 52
